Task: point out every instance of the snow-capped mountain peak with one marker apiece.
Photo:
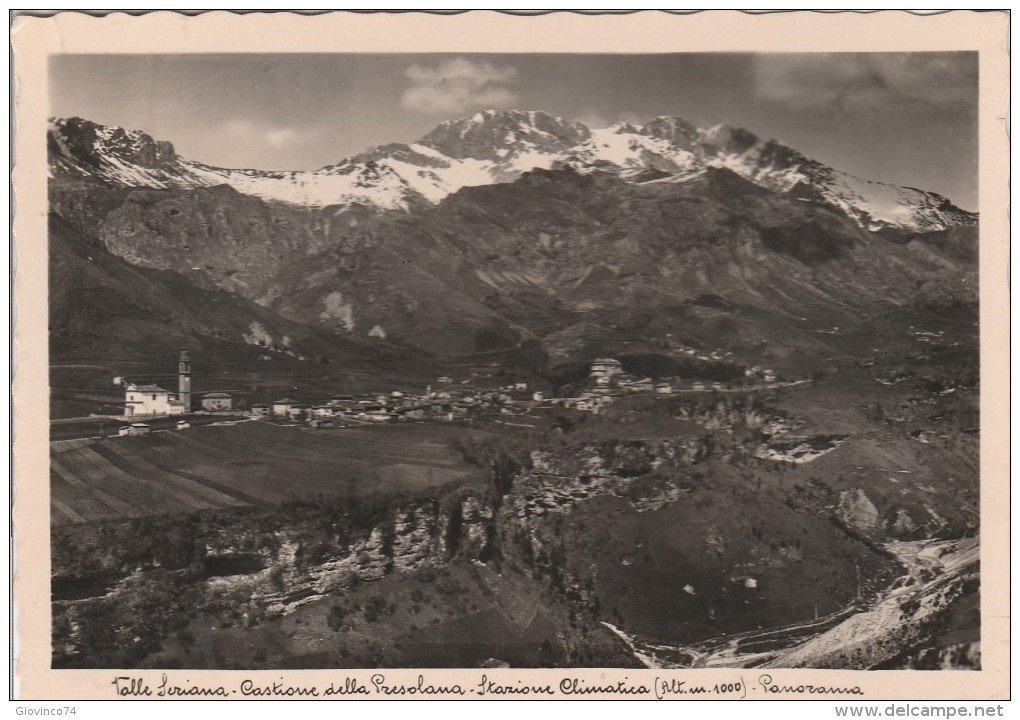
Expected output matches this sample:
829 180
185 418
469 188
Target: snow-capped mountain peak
491 147
491 135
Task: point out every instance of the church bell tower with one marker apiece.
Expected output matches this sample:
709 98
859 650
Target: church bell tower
184 380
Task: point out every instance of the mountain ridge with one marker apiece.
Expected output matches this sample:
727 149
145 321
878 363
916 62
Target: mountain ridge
492 147
614 242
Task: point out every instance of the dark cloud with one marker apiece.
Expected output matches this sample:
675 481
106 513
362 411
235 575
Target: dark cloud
865 82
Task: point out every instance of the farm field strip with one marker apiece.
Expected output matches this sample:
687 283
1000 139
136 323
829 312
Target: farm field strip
167 484
187 441
84 508
213 481
237 498
405 435
354 444
104 476
267 484
253 444
95 488
58 447
135 463
80 499
59 507
241 465
78 474
139 485
218 483
253 488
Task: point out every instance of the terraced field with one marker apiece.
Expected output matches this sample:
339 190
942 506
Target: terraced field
250 463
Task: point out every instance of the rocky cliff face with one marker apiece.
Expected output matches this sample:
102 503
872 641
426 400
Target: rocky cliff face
301 570
553 250
249 569
83 145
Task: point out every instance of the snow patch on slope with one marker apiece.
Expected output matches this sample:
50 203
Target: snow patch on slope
495 147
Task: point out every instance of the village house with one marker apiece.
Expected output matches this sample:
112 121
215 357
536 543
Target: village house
642 385
134 429
282 408
346 407
440 409
698 386
605 367
664 388
217 401
259 410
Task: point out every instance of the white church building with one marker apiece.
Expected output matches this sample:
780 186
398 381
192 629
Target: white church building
146 400
152 400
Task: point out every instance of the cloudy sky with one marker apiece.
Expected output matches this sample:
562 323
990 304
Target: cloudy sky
903 118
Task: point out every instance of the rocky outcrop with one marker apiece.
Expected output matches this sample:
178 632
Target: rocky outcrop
411 537
857 511
90 145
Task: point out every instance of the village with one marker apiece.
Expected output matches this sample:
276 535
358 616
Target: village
447 401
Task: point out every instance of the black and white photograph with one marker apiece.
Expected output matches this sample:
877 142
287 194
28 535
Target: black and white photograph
514 360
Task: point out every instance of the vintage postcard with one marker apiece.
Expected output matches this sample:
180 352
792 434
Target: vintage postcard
484 356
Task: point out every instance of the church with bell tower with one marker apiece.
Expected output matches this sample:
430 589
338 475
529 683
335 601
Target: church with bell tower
154 401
